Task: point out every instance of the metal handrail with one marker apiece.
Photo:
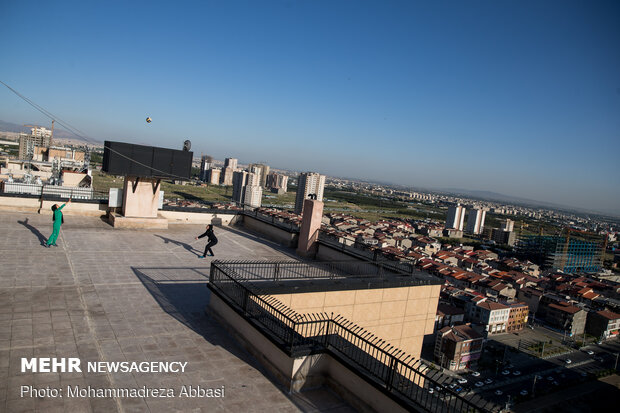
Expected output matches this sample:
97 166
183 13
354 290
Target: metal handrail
388 366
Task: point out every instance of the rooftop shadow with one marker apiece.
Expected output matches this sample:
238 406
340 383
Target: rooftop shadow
183 294
42 238
185 245
259 238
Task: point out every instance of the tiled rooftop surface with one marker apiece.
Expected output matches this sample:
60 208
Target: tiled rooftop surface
106 294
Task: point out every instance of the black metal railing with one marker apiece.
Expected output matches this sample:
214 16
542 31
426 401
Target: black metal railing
256 271
348 245
388 368
272 219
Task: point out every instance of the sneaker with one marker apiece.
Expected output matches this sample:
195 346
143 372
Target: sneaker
202 256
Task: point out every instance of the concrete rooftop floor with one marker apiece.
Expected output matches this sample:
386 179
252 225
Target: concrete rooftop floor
106 294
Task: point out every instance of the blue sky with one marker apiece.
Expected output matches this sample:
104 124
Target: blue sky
516 97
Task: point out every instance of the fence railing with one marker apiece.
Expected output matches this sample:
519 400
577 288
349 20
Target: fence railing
52 191
402 265
274 220
257 271
387 367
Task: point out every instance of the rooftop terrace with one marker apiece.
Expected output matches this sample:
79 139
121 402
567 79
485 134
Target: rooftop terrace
106 294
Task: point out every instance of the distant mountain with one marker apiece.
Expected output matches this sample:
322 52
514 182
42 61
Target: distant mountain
58 132
13 127
494 196
491 196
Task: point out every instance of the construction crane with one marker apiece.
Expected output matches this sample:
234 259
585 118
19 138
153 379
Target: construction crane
37 126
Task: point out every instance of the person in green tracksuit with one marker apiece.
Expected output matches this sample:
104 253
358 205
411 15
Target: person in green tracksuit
57 218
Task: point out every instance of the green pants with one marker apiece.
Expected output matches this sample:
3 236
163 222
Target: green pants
52 239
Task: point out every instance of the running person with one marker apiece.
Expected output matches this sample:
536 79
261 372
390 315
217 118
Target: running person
212 240
58 220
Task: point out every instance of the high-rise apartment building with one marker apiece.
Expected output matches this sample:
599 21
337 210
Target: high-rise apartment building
247 189
475 221
27 143
239 181
213 176
226 177
278 182
508 225
456 217
503 237
253 195
206 162
308 183
264 172
230 163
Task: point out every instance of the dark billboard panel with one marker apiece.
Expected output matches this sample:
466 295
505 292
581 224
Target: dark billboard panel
120 158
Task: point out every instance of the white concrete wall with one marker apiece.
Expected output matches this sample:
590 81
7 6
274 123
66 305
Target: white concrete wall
179 217
271 232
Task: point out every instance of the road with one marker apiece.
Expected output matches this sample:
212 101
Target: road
534 375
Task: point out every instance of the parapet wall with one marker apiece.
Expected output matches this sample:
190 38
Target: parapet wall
304 372
272 232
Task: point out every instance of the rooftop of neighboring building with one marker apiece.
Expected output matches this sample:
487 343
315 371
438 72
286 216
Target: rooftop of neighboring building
460 333
610 315
491 305
447 309
565 307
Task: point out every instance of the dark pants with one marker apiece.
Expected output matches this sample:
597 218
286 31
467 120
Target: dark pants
208 248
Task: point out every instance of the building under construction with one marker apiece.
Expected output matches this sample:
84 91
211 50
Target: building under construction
571 253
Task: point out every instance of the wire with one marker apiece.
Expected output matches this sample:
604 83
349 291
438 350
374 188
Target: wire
82 136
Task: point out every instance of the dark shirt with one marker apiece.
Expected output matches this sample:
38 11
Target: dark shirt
210 235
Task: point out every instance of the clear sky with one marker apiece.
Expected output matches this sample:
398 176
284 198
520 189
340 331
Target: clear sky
516 97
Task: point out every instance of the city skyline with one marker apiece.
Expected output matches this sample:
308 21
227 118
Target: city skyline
505 98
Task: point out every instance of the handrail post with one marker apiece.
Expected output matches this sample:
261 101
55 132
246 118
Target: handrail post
391 370
245 301
292 338
327 332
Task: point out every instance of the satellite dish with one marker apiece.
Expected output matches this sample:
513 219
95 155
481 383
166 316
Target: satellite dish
148 119
187 145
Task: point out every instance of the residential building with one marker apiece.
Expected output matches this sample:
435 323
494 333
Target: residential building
253 195
501 236
239 181
40 137
206 162
448 315
507 225
230 163
475 221
226 176
213 176
308 183
603 324
565 317
456 217
277 182
247 189
531 297
264 172
492 316
458 347
517 317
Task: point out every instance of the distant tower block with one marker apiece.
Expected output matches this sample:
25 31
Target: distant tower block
310 226
475 221
456 217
